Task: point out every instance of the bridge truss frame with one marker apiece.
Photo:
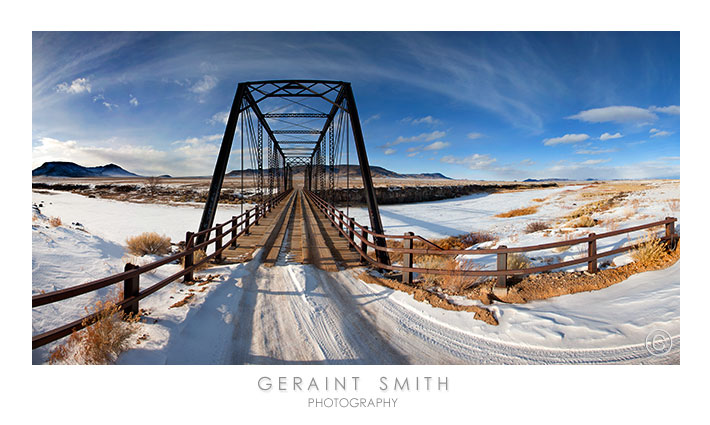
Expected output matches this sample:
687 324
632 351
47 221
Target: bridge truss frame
283 154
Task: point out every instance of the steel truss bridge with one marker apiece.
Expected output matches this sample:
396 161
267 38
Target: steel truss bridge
282 124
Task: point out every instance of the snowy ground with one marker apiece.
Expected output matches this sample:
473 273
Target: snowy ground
297 313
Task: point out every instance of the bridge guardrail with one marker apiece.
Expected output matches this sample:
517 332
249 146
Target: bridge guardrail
351 230
131 274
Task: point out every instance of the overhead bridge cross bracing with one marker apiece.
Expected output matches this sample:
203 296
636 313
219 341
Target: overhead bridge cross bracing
284 124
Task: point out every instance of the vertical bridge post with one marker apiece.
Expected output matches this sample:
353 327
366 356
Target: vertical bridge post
368 187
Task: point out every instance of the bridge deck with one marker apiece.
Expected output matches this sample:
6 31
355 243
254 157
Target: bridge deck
295 231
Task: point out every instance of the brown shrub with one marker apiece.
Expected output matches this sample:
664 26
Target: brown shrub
536 226
198 256
55 221
103 338
474 238
649 252
585 221
518 261
148 243
454 282
518 212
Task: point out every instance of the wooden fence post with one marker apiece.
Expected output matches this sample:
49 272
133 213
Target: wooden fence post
501 286
189 258
246 223
256 216
351 233
591 251
218 243
131 287
363 246
234 232
340 225
408 258
670 233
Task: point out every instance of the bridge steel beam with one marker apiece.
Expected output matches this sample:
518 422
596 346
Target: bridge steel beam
220 167
369 188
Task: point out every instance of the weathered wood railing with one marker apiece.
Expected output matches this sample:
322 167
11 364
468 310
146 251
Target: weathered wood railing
131 275
352 230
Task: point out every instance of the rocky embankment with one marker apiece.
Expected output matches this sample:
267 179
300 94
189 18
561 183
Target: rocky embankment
410 194
385 195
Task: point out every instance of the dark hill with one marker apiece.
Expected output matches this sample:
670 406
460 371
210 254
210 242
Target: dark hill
70 169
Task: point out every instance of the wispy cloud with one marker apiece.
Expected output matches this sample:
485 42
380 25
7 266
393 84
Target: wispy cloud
607 136
390 151
429 120
423 137
595 151
670 110
567 138
133 100
219 118
659 133
372 118
474 162
204 84
474 136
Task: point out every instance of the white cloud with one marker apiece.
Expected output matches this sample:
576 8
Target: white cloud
607 136
527 162
620 114
594 161
133 101
193 156
424 137
670 110
474 162
77 86
424 120
372 118
436 146
567 138
661 134
219 118
205 84
474 136
390 151
413 154
594 151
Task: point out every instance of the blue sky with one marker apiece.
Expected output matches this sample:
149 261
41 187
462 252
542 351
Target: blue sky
494 106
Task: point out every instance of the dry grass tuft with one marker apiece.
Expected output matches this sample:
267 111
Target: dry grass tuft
649 252
103 338
148 243
518 261
197 256
55 221
539 199
536 226
585 221
183 301
518 212
454 282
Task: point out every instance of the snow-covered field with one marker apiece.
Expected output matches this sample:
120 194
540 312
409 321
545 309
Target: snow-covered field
297 313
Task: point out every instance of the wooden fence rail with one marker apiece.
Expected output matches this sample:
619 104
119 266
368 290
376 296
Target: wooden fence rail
351 230
131 275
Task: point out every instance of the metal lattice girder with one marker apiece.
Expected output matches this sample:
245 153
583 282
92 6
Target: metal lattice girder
296 115
331 162
260 161
296 131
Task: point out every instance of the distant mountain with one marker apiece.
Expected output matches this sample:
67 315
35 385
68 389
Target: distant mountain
70 169
342 171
